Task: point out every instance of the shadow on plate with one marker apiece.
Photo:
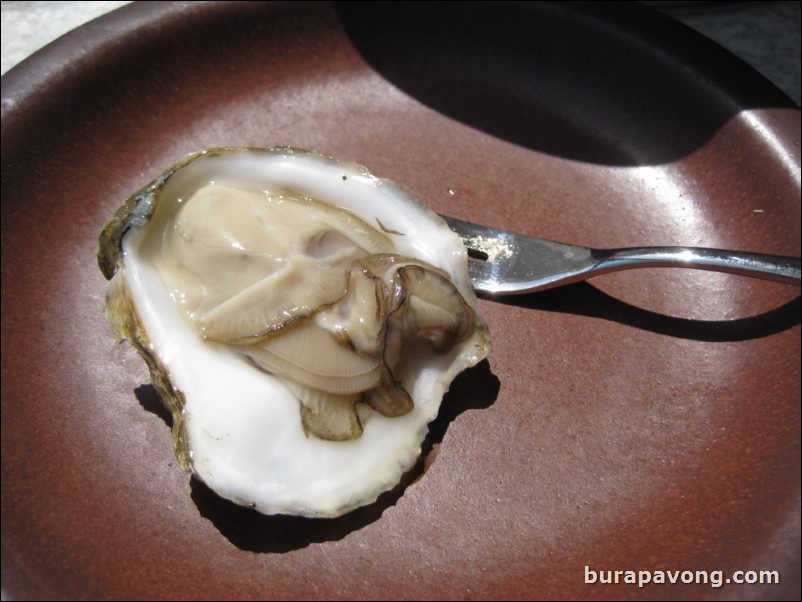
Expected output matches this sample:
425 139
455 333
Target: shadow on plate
249 530
149 400
598 82
584 299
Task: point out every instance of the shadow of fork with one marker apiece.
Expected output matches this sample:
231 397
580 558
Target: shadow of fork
585 299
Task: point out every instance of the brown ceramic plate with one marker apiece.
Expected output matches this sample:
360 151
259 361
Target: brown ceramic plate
647 421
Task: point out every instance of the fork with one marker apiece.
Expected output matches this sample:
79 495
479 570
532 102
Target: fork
503 263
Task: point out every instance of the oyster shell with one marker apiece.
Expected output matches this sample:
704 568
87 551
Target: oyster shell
301 320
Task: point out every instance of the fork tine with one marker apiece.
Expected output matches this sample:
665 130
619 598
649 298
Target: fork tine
506 263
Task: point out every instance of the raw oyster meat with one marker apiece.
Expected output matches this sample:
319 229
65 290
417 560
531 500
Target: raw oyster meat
301 319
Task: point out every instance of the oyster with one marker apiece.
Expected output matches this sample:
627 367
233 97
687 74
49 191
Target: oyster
301 320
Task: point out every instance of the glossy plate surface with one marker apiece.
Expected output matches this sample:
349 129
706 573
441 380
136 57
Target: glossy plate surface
646 421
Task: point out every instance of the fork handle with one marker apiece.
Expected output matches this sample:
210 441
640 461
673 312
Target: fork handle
757 265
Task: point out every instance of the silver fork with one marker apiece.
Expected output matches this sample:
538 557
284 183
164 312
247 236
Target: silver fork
504 263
